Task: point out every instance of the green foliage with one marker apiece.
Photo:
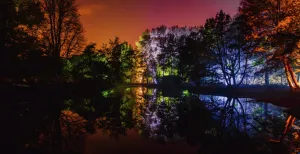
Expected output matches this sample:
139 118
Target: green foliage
120 60
186 93
167 58
67 69
128 101
108 93
89 65
180 51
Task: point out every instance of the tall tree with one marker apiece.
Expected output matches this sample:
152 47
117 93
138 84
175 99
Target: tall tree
8 23
18 22
224 43
160 48
168 55
275 29
193 62
63 31
120 57
142 70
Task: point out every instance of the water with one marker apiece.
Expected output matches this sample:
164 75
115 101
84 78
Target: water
141 120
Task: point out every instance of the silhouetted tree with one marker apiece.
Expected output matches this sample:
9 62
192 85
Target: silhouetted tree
62 32
224 42
18 23
194 63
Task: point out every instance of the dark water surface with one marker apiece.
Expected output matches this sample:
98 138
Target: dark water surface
143 121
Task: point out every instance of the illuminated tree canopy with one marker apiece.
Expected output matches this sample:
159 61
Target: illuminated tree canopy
275 28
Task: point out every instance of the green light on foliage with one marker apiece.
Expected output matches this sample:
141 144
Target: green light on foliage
166 100
186 93
106 93
167 71
150 92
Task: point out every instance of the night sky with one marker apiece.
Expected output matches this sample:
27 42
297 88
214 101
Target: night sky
105 19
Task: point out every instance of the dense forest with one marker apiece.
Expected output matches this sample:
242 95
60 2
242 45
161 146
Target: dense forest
43 41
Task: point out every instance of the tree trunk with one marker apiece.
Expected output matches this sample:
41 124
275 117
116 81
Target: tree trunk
267 81
281 78
57 63
234 80
290 69
288 77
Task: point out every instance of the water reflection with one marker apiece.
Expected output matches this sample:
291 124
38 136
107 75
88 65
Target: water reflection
198 123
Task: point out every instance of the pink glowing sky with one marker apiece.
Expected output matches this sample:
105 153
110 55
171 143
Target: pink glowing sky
127 19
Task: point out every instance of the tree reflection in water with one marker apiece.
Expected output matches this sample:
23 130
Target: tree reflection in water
213 123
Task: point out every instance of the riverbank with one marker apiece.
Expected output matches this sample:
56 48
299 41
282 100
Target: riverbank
277 95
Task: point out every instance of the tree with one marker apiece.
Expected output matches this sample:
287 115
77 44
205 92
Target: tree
8 23
63 32
275 29
193 62
160 39
120 58
224 45
169 52
143 71
160 48
90 65
18 23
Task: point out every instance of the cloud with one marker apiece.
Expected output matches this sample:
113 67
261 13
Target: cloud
86 10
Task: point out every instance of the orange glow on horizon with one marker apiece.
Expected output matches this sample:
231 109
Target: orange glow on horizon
103 20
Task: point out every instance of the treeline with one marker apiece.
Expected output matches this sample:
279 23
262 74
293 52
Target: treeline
259 45
35 34
43 39
113 63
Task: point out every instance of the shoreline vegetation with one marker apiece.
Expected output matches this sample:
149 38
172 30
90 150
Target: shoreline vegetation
250 48
276 94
